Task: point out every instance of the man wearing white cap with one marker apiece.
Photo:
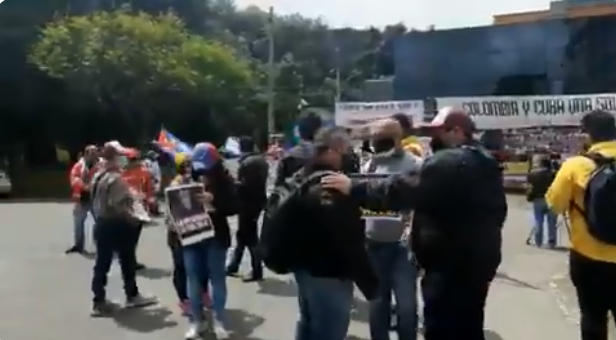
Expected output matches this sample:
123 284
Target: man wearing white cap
115 231
460 208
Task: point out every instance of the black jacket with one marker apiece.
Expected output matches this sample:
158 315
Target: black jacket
252 176
539 181
460 207
332 238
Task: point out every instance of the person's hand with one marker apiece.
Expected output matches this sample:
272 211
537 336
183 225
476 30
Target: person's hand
338 182
205 198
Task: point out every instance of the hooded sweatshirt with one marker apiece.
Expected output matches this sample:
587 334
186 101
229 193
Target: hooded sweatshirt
397 161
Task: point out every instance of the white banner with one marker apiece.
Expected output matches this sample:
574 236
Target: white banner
360 113
509 112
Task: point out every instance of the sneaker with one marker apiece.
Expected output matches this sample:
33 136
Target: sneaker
139 300
102 309
194 330
184 307
74 250
253 278
232 271
220 330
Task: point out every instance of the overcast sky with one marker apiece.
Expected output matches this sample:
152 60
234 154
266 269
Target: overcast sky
414 13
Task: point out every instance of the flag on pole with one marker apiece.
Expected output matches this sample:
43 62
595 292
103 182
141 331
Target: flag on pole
172 145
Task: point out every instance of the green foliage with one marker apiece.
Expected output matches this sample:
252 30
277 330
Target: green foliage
130 59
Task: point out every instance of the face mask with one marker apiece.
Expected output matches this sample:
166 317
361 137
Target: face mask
383 144
122 161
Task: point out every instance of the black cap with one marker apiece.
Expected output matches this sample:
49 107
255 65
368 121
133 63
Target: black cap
599 125
308 125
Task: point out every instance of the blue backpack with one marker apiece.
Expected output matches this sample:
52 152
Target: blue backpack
600 199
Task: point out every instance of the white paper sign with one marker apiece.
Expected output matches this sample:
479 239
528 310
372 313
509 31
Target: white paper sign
350 114
511 112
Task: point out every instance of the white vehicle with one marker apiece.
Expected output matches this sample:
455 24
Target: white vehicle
6 187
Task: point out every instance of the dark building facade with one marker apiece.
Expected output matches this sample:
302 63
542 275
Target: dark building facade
559 56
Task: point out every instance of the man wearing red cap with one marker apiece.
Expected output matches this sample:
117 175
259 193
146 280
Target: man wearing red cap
460 207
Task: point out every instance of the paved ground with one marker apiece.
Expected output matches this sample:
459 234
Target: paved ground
45 294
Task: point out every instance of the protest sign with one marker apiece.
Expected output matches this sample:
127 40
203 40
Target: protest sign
373 215
529 111
350 115
190 217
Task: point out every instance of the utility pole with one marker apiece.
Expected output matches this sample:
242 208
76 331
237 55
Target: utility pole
271 79
338 90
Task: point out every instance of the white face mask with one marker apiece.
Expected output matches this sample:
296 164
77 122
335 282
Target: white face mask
121 161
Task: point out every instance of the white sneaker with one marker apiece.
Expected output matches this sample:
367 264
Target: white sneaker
194 330
220 331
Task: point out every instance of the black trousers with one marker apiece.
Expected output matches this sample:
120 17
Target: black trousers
138 231
595 284
454 302
179 274
114 237
247 238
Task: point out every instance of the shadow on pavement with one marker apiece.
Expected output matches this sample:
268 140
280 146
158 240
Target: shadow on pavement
360 311
243 323
146 320
491 335
353 337
154 273
513 281
277 287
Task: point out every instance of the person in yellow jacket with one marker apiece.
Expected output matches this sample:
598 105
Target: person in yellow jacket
409 142
592 262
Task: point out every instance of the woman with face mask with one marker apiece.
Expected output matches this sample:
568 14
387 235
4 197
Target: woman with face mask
210 254
184 176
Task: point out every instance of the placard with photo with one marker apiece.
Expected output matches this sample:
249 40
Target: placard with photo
189 215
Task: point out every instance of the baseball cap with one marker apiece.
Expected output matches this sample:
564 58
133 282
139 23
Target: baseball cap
450 117
204 156
113 149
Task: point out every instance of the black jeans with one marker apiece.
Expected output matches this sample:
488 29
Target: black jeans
114 237
137 237
454 302
247 239
595 283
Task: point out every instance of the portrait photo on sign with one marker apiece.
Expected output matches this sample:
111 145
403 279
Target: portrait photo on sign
189 215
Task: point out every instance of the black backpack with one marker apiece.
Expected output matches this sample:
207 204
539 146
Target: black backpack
278 241
600 199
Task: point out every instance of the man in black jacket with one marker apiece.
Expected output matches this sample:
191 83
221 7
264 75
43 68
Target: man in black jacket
460 208
330 255
251 191
295 158
539 180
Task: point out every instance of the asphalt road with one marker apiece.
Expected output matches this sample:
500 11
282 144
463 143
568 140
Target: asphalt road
45 294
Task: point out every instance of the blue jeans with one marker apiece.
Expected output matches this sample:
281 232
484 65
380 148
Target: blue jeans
542 212
324 307
206 259
398 275
80 215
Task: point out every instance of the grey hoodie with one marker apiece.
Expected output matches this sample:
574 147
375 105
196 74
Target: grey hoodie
396 162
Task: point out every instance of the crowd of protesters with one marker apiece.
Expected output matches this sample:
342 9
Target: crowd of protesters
315 226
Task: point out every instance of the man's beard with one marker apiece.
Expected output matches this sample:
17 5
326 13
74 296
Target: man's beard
437 144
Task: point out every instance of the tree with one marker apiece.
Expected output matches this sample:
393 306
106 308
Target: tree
137 63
